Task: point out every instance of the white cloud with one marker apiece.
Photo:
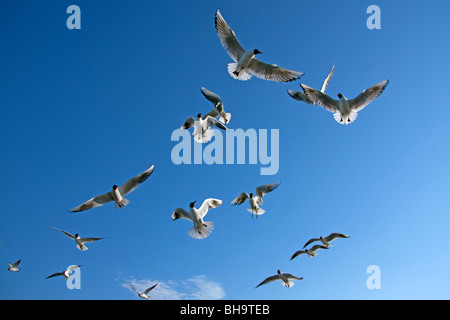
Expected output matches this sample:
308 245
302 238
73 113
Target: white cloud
198 287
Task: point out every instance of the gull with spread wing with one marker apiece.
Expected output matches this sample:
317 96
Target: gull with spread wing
326 240
117 194
64 273
202 127
14 267
345 111
201 229
144 295
79 241
311 252
246 65
256 199
284 277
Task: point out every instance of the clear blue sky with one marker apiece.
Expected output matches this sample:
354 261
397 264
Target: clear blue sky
85 109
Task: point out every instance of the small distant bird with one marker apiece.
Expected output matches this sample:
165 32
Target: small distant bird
284 277
311 252
257 199
14 266
326 240
201 229
79 241
117 194
345 111
246 65
64 273
218 110
301 96
144 295
202 127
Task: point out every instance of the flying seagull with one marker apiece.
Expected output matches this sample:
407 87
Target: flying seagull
64 273
246 65
117 194
79 241
14 266
345 111
202 127
311 252
218 110
326 240
301 96
201 229
144 295
284 277
255 199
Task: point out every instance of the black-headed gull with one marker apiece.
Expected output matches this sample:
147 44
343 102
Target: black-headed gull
284 277
117 194
218 110
301 96
79 241
14 266
345 111
311 252
326 240
64 273
201 229
256 199
246 65
202 127
144 295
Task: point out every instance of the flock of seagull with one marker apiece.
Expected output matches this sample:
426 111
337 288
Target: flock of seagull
244 67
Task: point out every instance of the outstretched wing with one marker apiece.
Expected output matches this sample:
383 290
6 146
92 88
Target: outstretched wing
335 235
367 96
228 38
297 253
320 98
264 189
181 213
134 182
55 275
150 289
211 96
208 204
327 80
240 199
188 123
310 241
272 72
213 122
65 232
97 201
269 279
89 239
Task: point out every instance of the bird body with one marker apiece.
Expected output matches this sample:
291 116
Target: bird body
256 199
326 240
65 273
311 252
144 295
80 242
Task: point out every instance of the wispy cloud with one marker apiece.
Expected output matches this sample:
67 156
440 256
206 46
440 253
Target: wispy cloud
199 287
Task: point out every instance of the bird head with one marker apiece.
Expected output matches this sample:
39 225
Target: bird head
76 235
199 116
256 51
115 187
278 271
192 204
251 195
340 95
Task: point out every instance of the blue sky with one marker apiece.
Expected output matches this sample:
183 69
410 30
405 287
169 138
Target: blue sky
85 109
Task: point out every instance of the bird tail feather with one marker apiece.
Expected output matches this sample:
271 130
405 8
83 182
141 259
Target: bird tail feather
202 231
242 75
257 211
122 203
